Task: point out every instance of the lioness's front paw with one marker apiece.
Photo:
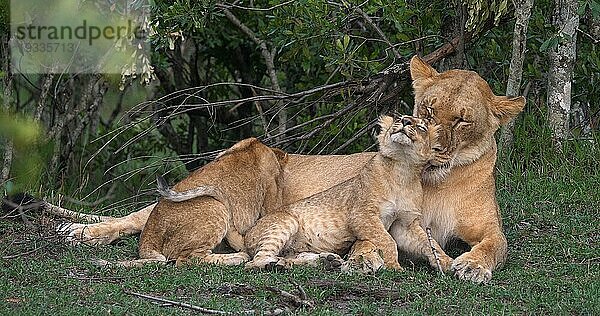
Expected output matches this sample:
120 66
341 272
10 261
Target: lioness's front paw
466 268
89 234
367 263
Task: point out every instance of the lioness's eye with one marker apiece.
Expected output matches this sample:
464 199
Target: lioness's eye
459 121
422 128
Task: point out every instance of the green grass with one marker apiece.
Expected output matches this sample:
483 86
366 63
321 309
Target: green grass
550 204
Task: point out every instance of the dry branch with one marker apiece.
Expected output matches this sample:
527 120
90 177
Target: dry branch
372 24
434 250
232 5
24 253
186 305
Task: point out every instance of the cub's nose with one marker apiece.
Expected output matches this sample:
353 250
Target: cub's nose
406 120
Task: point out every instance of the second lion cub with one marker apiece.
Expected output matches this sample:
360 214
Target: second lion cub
361 209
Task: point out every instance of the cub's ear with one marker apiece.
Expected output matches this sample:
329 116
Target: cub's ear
422 75
385 122
281 155
506 108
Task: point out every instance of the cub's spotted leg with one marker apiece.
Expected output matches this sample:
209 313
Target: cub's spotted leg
206 256
372 230
194 258
268 237
364 258
413 239
155 257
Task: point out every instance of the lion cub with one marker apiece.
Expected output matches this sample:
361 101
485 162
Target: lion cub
222 200
360 209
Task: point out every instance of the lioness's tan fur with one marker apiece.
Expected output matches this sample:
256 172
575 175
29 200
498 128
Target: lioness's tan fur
387 189
459 198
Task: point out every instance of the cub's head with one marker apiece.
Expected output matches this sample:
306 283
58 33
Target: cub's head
409 139
466 110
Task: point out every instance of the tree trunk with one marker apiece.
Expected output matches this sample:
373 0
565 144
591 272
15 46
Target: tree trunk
453 26
562 59
522 14
7 100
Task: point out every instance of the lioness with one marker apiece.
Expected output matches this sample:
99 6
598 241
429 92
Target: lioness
459 197
224 199
387 189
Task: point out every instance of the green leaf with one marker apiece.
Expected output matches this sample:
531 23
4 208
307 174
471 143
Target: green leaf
339 45
595 8
549 43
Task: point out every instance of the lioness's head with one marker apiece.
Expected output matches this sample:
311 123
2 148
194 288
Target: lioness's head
408 139
465 108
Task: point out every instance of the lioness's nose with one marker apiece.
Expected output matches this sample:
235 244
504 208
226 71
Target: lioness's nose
406 121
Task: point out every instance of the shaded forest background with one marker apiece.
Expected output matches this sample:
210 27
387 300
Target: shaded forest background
306 76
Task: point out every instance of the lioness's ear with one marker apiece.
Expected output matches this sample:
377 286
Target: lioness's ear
506 108
419 69
281 155
422 75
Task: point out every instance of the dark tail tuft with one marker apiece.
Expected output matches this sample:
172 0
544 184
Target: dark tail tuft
11 202
162 186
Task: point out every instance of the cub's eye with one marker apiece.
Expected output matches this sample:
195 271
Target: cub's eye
429 111
437 148
425 111
422 128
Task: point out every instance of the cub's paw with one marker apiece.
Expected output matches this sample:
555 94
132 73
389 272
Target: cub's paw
89 234
367 263
466 268
263 263
445 263
331 261
235 259
229 259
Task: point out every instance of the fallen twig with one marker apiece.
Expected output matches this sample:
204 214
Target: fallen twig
294 299
23 253
300 289
186 305
434 250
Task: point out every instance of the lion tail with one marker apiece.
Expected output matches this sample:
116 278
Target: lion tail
171 195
